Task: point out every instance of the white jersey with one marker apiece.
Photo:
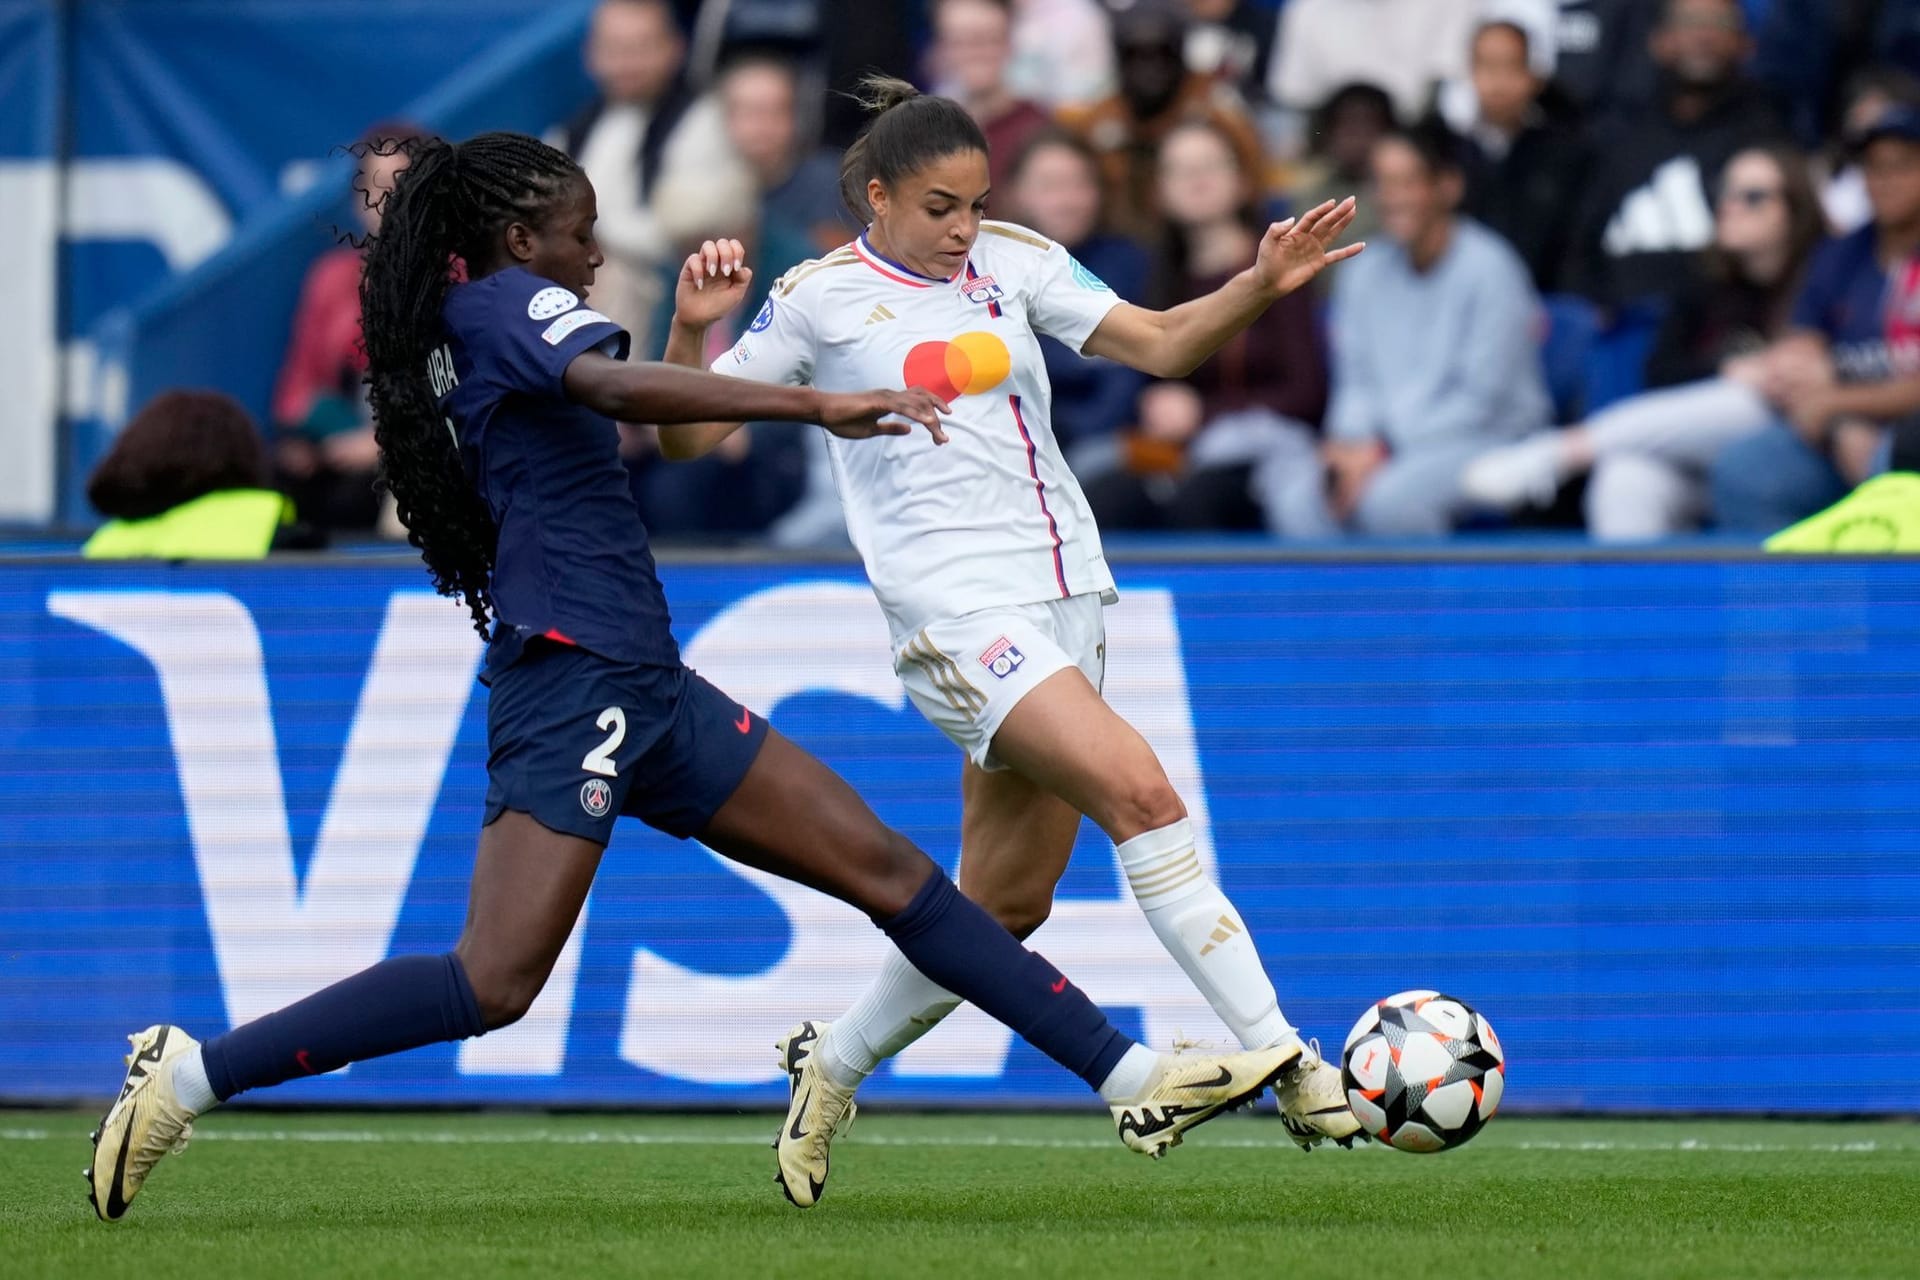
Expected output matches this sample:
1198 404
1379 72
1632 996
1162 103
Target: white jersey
993 517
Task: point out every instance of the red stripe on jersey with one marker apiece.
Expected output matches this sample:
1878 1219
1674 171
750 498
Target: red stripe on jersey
1040 489
895 271
553 633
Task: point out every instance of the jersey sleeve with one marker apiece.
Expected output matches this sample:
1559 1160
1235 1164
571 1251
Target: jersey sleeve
537 328
778 347
1824 287
1065 300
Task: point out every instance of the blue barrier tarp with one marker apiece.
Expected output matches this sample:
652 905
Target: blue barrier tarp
1660 821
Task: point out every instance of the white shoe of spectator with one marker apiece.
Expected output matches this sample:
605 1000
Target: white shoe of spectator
1517 475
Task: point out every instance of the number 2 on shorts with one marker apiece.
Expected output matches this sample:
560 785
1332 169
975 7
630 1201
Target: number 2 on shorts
600 759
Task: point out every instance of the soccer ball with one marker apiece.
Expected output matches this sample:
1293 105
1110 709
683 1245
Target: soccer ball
1423 1071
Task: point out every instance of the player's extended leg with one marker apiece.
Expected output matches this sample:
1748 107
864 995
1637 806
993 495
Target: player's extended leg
1015 840
1065 738
528 886
1071 753
797 818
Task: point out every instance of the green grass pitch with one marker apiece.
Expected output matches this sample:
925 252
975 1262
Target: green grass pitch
456 1195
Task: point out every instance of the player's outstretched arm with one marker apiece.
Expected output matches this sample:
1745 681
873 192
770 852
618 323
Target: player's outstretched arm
665 393
713 281
1169 344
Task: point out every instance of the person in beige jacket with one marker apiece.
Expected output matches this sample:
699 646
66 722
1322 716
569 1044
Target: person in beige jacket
656 151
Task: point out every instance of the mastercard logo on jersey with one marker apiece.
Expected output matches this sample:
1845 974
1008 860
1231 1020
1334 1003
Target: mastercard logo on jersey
970 365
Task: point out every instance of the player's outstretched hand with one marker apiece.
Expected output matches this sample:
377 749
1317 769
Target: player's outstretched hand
713 280
859 415
1295 251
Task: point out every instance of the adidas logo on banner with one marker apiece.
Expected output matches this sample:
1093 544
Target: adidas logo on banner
879 314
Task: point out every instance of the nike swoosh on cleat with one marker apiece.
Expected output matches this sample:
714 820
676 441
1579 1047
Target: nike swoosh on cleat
794 1131
1224 1078
116 1201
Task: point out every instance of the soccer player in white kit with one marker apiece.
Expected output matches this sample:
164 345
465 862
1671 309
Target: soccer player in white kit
988 566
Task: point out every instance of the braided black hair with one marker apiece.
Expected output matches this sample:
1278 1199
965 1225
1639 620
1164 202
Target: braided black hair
447 206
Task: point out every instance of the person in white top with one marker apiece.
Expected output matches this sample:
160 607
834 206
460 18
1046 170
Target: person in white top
985 557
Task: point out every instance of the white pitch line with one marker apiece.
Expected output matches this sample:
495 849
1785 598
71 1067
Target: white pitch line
592 1138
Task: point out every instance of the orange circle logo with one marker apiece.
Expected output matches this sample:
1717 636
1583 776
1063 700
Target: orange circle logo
970 365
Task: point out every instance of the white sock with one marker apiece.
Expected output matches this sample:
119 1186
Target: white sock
897 1008
1200 929
1129 1077
190 1083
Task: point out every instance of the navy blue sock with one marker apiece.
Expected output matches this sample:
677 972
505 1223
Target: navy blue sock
956 944
396 1005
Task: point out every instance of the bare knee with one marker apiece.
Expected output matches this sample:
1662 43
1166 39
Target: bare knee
1139 805
1019 914
504 991
890 871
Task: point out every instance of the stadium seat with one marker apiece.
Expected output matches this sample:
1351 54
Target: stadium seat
1617 359
1572 324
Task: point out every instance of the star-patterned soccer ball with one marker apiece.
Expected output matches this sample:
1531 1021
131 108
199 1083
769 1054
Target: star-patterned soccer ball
1423 1071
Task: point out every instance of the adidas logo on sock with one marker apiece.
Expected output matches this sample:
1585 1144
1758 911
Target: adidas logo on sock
1226 929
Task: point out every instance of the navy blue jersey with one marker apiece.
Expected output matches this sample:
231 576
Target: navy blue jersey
1870 317
573 562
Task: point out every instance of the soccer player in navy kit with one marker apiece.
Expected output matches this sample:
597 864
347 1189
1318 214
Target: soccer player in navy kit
494 403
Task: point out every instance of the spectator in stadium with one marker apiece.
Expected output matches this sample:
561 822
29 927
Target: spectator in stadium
324 452
1648 208
1407 47
1435 360
1809 50
756 475
1257 400
186 480
1649 455
656 152
799 185
1525 161
1603 59
1062 52
1738 300
1157 94
1339 160
1056 184
1843 192
1231 41
1847 377
972 46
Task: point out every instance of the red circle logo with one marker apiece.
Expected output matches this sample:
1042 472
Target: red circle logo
972 364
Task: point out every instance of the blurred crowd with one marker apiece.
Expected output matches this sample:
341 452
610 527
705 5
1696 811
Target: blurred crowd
1642 266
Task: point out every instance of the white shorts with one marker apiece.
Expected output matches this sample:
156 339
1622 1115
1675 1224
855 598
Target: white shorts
966 674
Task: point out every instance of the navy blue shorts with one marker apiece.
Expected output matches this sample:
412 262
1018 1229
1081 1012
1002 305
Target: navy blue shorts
577 740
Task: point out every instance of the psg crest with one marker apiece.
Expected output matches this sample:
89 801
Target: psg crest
596 797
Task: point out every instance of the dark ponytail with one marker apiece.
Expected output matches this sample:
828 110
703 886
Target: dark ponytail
909 130
448 205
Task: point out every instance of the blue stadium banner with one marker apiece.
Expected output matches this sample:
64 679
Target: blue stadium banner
1656 819
205 175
